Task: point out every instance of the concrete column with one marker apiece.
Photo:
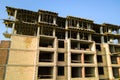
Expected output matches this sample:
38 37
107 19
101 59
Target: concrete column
54 32
102 39
78 46
54 20
78 24
38 31
101 30
66 24
41 30
82 58
15 15
13 28
96 72
55 59
13 25
66 35
108 59
39 18
89 37
78 36
83 72
117 31
54 73
69 60
88 26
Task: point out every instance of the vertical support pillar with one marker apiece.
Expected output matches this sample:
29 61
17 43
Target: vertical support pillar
39 18
107 52
96 72
55 60
78 46
13 25
88 26
89 37
66 34
69 60
66 24
15 15
118 31
77 24
38 31
101 30
82 58
83 72
102 39
13 28
78 37
41 30
54 20
54 32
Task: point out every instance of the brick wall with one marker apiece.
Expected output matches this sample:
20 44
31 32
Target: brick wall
4 45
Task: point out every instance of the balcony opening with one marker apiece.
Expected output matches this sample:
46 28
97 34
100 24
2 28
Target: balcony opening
96 28
99 59
117 49
100 70
81 45
60 71
61 57
25 29
46 42
60 33
98 48
60 44
73 34
85 46
84 25
105 39
116 72
47 31
47 18
88 58
27 16
76 72
115 59
74 45
46 56
83 36
114 49
45 72
111 48
61 22
96 38
89 72
75 58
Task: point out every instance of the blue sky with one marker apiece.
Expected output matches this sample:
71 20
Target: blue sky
98 10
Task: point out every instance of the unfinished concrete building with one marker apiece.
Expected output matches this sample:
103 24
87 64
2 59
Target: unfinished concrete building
45 46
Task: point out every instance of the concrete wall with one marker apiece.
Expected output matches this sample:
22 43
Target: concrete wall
22 58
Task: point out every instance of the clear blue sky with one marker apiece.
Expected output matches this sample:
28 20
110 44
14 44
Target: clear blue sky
98 10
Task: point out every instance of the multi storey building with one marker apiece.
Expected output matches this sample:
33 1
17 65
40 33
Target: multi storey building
45 46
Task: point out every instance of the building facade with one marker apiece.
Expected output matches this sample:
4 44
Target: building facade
45 46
